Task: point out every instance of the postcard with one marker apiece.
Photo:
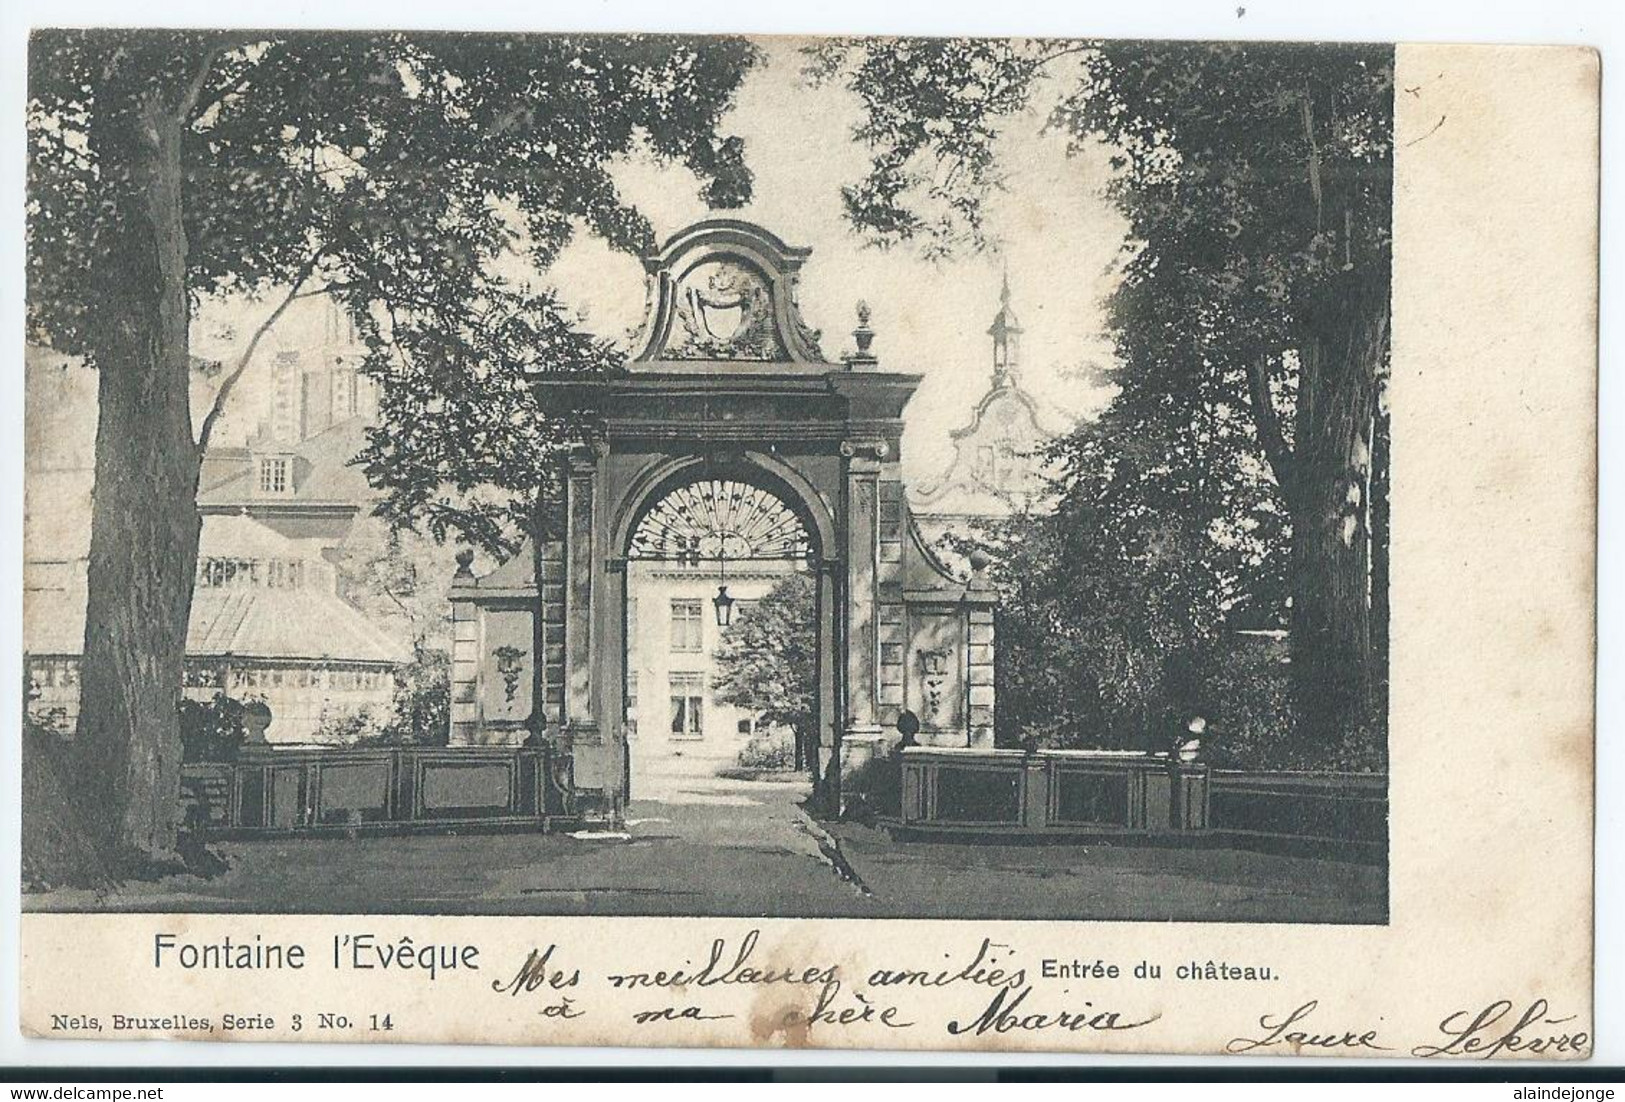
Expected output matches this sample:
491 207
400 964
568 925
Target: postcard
960 544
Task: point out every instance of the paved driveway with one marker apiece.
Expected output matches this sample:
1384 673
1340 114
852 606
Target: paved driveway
722 848
745 848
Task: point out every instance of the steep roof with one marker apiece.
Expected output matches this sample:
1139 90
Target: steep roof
308 625
286 624
327 476
233 535
1004 322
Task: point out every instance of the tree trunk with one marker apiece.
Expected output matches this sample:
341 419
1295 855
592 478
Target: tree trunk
144 518
1333 680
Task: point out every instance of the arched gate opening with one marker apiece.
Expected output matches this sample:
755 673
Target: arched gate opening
722 647
729 434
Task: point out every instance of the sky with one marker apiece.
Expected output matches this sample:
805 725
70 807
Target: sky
1054 231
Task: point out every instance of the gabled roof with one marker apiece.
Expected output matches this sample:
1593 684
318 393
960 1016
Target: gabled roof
958 491
1010 389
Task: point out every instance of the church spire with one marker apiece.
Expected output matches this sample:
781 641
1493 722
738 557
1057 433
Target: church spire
1006 334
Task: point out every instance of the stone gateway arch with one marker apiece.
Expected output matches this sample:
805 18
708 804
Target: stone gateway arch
731 389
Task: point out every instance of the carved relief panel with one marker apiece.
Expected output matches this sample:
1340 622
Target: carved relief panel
936 688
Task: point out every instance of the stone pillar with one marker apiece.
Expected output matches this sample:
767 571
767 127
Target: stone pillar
892 632
583 594
609 693
465 656
829 716
979 674
551 608
862 593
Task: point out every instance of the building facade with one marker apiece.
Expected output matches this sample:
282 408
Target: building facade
679 731
998 464
268 620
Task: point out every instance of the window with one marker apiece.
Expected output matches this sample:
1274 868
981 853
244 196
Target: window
746 727
274 476
215 572
687 705
285 574
1010 468
687 626
54 672
632 701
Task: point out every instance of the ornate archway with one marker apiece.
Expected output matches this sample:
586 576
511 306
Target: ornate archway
731 389
698 541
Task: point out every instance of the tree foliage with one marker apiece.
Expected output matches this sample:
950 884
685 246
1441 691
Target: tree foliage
397 578
389 162
400 173
1229 482
462 446
767 662
419 713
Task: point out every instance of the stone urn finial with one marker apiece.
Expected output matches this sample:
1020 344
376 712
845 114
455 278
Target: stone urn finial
864 336
465 563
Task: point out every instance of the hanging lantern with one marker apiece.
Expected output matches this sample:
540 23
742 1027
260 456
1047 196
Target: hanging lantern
724 606
724 603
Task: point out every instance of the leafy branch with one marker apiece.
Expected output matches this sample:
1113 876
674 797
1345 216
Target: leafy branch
221 396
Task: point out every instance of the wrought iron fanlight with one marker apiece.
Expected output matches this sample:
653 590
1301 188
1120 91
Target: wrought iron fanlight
716 519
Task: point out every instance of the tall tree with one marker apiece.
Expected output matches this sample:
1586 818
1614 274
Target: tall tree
767 664
1257 182
394 170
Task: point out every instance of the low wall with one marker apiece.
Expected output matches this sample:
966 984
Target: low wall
977 794
1346 813
1074 792
273 791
